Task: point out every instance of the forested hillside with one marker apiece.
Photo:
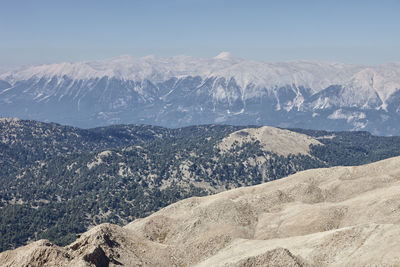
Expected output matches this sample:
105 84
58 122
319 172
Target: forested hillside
56 181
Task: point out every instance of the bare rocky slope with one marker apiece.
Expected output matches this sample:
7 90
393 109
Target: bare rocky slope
340 216
275 140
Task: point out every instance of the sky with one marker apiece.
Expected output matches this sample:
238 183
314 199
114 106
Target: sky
49 31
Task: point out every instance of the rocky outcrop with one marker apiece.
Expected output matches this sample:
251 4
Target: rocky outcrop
279 257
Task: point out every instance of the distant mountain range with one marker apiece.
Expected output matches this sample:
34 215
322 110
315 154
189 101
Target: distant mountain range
181 91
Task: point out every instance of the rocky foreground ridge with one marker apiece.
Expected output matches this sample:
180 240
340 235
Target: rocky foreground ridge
340 216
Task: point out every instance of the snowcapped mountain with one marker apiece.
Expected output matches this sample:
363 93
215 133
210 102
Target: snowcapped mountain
184 90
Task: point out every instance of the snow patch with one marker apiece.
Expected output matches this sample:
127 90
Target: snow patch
224 56
347 115
309 74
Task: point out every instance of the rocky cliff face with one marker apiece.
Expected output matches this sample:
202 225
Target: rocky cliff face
340 216
183 91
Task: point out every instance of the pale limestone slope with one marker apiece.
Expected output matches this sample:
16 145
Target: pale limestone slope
341 216
362 245
307 203
280 141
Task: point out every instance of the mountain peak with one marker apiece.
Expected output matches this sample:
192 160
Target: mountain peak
224 56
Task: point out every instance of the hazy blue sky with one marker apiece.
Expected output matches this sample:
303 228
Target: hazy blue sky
33 32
